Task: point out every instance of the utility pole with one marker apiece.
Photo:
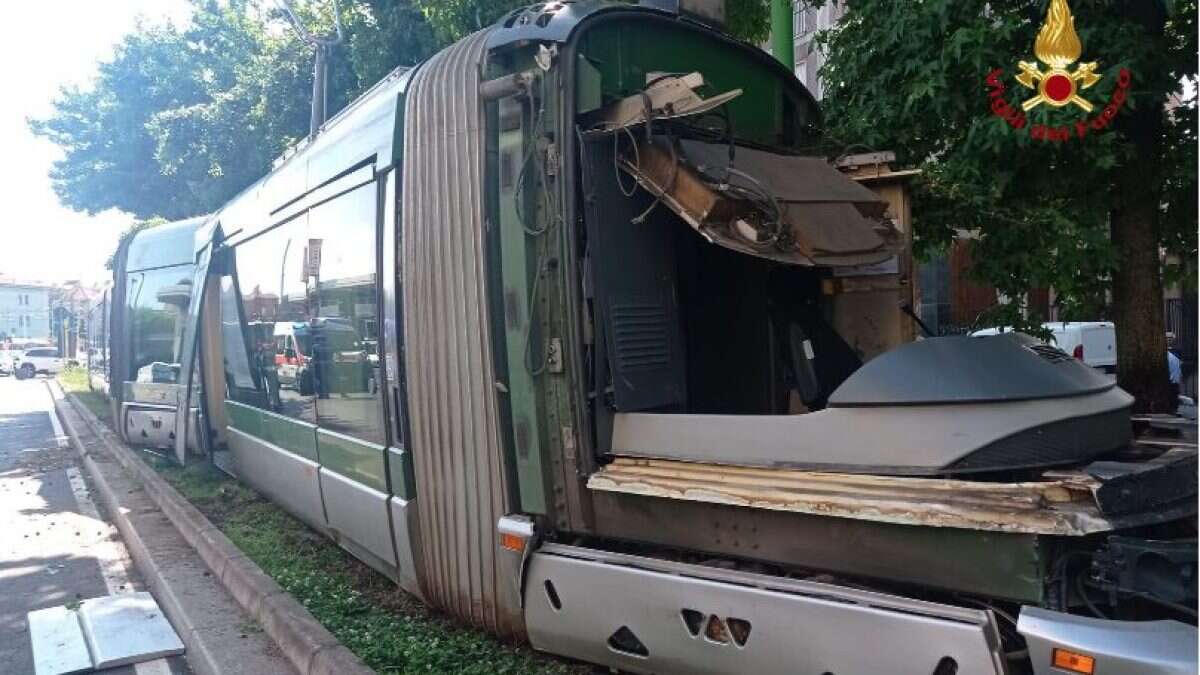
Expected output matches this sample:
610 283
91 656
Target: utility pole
321 47
783 43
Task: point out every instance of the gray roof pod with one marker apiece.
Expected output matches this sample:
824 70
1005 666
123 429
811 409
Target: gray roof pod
164 245
902 440
940 406
961 369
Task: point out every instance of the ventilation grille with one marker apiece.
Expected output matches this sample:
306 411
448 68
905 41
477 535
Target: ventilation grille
1067 442
540 14
640 337
1051 354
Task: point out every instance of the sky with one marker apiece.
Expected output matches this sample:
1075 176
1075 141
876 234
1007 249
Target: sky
49 43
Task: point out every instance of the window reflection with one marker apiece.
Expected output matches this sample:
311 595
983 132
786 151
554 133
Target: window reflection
158 304
264 321
345 341
97 340
299 320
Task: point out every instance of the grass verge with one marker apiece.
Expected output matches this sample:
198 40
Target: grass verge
389 630
74 380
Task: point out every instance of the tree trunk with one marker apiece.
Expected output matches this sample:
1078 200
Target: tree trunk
1137 282
1138 297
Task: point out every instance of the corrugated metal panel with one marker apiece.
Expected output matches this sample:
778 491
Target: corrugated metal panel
454 431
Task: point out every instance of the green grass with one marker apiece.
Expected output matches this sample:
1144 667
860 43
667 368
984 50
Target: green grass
387 629
74 380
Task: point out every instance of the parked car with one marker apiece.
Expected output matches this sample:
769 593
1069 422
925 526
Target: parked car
45 360
8 361
1093 342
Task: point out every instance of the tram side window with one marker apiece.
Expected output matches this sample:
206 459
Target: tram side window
97 326
345 341
238 375
158 301
265 323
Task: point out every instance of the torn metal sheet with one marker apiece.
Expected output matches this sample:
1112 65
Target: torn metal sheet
57 640
1063 506
127 628
666 97
792 209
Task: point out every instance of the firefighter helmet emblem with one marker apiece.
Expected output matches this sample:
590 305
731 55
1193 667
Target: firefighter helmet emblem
1058 47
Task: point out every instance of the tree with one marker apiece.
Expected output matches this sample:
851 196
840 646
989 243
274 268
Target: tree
454 19
1086 215
180 120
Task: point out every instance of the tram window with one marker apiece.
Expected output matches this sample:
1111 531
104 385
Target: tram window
343 340
237 364
266 321
158 301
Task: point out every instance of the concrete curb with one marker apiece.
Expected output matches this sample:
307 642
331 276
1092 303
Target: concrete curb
311 648
198 658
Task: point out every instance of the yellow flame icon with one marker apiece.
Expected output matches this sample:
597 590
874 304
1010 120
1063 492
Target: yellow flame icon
1057 43
1058 46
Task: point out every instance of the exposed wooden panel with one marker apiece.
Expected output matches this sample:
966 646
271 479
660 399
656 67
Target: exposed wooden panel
1063 505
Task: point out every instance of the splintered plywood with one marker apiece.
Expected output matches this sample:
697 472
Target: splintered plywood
58 644
1063 506
128 628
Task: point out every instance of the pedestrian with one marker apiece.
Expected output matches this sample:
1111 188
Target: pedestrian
1174 368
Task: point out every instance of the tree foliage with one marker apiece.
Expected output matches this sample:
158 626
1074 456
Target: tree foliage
910 76
182 118
1085 216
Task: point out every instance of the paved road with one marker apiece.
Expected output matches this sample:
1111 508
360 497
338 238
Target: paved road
55 547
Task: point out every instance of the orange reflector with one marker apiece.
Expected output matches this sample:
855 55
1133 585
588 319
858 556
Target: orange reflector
1074 662
512 542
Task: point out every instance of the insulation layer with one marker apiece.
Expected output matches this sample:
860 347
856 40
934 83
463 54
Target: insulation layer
1063 505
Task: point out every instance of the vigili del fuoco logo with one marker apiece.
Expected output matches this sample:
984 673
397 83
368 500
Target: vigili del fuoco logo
1057 48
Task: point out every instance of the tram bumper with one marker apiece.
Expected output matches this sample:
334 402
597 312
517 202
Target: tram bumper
646 615
1106 646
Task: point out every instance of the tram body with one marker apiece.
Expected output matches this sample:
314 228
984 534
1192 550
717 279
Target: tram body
412 336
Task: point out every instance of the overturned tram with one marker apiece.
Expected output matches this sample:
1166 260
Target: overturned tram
576 333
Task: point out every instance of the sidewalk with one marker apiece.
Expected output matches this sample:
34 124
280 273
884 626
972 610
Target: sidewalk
56 546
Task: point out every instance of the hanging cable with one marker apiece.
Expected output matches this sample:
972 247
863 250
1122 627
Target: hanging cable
290 14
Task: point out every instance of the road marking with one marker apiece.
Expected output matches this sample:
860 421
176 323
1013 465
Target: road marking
60 436
110 553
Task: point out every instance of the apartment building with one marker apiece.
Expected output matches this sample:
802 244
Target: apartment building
24 310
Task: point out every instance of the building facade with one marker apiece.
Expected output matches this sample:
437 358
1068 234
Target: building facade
24 311
807 21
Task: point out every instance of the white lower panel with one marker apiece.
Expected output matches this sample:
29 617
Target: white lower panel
360 514
405 534
154 427
649 616
289 480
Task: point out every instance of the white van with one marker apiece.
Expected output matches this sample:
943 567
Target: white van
1093 342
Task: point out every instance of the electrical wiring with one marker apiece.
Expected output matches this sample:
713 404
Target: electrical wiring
286 7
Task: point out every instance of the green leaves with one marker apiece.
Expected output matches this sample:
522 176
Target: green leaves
910 76
180 120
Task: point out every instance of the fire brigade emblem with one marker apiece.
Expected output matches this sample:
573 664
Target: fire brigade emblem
1058 47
